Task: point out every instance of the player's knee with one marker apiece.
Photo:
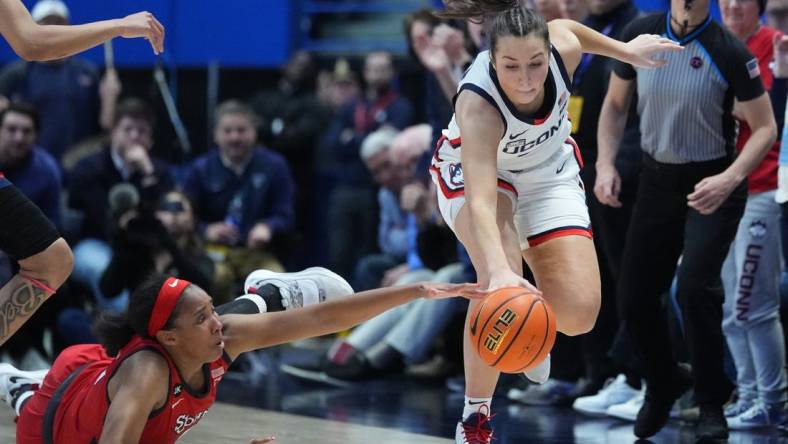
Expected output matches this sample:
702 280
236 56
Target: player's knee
52 266
581 320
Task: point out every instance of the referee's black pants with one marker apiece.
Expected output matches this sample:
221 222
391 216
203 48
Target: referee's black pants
662 229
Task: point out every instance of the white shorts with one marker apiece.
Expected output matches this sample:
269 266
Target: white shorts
549 200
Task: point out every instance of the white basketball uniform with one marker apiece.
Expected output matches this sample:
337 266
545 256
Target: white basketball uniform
538 162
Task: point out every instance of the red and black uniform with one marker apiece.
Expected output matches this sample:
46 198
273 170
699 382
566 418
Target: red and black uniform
24 229
73 401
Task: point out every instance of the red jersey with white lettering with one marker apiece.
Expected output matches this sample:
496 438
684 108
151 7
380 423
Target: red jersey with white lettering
83 408
764 176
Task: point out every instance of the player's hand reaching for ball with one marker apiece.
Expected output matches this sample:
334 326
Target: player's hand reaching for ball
144 24
432 290
508 278
642 49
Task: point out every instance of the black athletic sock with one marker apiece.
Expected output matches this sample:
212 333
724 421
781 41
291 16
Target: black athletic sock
268 293
272 297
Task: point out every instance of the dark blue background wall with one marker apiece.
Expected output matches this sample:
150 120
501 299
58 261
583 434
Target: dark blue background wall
233 32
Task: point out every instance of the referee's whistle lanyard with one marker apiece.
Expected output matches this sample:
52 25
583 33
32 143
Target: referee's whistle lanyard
585 61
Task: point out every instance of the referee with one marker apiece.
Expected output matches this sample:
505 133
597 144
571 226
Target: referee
690 198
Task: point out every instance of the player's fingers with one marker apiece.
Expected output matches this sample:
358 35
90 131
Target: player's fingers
160 34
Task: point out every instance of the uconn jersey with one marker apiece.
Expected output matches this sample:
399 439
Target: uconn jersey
538 162
528 141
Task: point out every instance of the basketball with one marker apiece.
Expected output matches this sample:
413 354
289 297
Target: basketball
512 330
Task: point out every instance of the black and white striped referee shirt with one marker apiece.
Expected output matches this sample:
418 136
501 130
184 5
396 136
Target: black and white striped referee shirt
685 107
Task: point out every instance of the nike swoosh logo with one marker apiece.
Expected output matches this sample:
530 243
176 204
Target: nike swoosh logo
473 327
514 136
174 283
175 404
561 168
475 402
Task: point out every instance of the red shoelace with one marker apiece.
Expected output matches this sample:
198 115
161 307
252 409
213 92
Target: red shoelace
477 433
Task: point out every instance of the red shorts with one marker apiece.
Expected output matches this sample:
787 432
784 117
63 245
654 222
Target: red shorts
29 426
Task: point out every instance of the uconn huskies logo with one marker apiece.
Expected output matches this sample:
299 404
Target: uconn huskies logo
522 147
455 174
185 422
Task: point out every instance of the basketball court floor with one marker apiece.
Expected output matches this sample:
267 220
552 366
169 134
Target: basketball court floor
393 411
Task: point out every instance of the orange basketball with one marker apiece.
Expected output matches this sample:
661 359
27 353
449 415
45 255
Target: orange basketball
512 329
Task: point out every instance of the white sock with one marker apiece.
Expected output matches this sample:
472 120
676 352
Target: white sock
472 405
19 402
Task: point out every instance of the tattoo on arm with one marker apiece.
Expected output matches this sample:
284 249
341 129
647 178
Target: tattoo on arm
24 301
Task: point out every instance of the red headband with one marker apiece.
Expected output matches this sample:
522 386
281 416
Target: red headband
168 296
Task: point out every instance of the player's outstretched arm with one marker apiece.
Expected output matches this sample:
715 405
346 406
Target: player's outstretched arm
571 39
244 333
32 41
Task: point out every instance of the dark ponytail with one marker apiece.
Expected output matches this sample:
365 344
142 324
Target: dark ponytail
518 22
469 9
115 330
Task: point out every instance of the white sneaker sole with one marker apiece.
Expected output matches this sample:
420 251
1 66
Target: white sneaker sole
314 273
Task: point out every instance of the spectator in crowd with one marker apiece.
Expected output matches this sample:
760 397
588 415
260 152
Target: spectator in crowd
549 9
389 342
72 101
29 166
777 15
338 88
351 214
442 50
127 159
291 119
751 272
576 10
376 270
690 198
162 239
243 197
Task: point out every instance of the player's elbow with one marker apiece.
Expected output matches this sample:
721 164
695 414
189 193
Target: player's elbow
32 49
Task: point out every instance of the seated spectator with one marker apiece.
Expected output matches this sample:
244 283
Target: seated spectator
373 270
243 198
29 166
405 335
161 239
67 93
338 88
351 209
127 159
